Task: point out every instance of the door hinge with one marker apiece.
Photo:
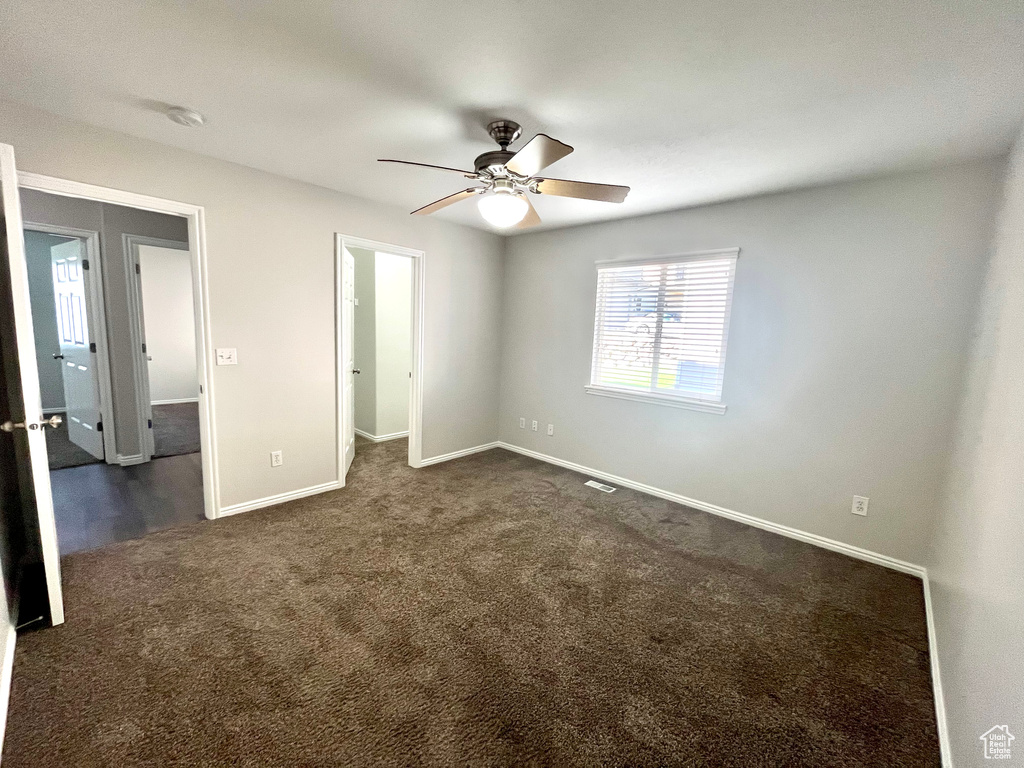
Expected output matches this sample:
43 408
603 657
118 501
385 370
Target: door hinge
150 423
99 426
200 389
143 348
92 346
138 270
85 263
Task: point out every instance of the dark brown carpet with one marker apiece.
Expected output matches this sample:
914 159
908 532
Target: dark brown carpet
486 611
175 433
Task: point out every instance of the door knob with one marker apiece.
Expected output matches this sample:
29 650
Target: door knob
356 370
52 422
58 357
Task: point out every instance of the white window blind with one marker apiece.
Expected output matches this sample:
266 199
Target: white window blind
661 328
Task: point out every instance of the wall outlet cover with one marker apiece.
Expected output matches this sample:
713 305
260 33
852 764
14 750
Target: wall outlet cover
860 506
276 458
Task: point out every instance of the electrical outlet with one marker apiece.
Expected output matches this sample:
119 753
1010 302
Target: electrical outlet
534 425
276 458
860 506
522 423
551 429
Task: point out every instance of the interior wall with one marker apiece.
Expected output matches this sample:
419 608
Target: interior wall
851 320
393 307
976 569
44 317
112 222
270 244
365 341
169 315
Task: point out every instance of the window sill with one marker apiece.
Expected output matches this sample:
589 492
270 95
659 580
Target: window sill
651 397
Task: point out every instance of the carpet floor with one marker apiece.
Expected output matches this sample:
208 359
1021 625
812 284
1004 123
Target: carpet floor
175 433
486 611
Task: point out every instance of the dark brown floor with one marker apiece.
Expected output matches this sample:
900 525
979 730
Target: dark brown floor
486 611
99 504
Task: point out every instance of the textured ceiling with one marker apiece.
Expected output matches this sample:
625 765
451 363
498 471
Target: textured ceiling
686 102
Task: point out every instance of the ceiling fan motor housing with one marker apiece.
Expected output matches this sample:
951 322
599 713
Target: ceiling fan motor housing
495 159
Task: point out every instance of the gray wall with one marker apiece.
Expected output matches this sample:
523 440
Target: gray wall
365 343
850 330
44 316
976 569
271 274
383 341
112 222
393 329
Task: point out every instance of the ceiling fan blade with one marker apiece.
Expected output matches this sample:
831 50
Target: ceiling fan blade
444 202
531 219
584 190
467 174
539 152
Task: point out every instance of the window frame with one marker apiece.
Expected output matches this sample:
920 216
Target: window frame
650 395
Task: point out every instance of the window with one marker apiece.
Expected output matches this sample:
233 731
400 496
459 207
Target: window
661 329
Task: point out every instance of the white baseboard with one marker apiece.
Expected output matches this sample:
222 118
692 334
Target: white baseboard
172 402
714 509
459 454
933 657
6 674
280 498
382 438
128 461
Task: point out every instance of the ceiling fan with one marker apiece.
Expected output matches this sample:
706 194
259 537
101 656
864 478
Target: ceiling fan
507 176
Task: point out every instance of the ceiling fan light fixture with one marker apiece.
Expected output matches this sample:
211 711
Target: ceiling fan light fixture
502 208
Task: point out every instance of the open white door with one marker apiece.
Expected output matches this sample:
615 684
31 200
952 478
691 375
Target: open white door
77 350
348 292
22 382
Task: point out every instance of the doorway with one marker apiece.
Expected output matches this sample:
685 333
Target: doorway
120 348
379 297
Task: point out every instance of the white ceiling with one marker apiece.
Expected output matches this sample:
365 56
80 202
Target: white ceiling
686 102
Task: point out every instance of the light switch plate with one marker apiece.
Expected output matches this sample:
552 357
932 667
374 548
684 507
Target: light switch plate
227 356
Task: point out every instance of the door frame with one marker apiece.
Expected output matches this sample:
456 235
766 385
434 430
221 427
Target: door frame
416 386
97 316
136 330
196 217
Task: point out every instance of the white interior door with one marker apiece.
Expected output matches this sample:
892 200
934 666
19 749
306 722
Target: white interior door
77 351
348 292
22 382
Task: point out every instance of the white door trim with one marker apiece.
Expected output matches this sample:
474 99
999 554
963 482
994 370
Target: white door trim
196 216
97 311
416 388
136 329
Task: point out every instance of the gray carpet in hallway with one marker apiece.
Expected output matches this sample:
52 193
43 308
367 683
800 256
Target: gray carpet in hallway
175 433
486 611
